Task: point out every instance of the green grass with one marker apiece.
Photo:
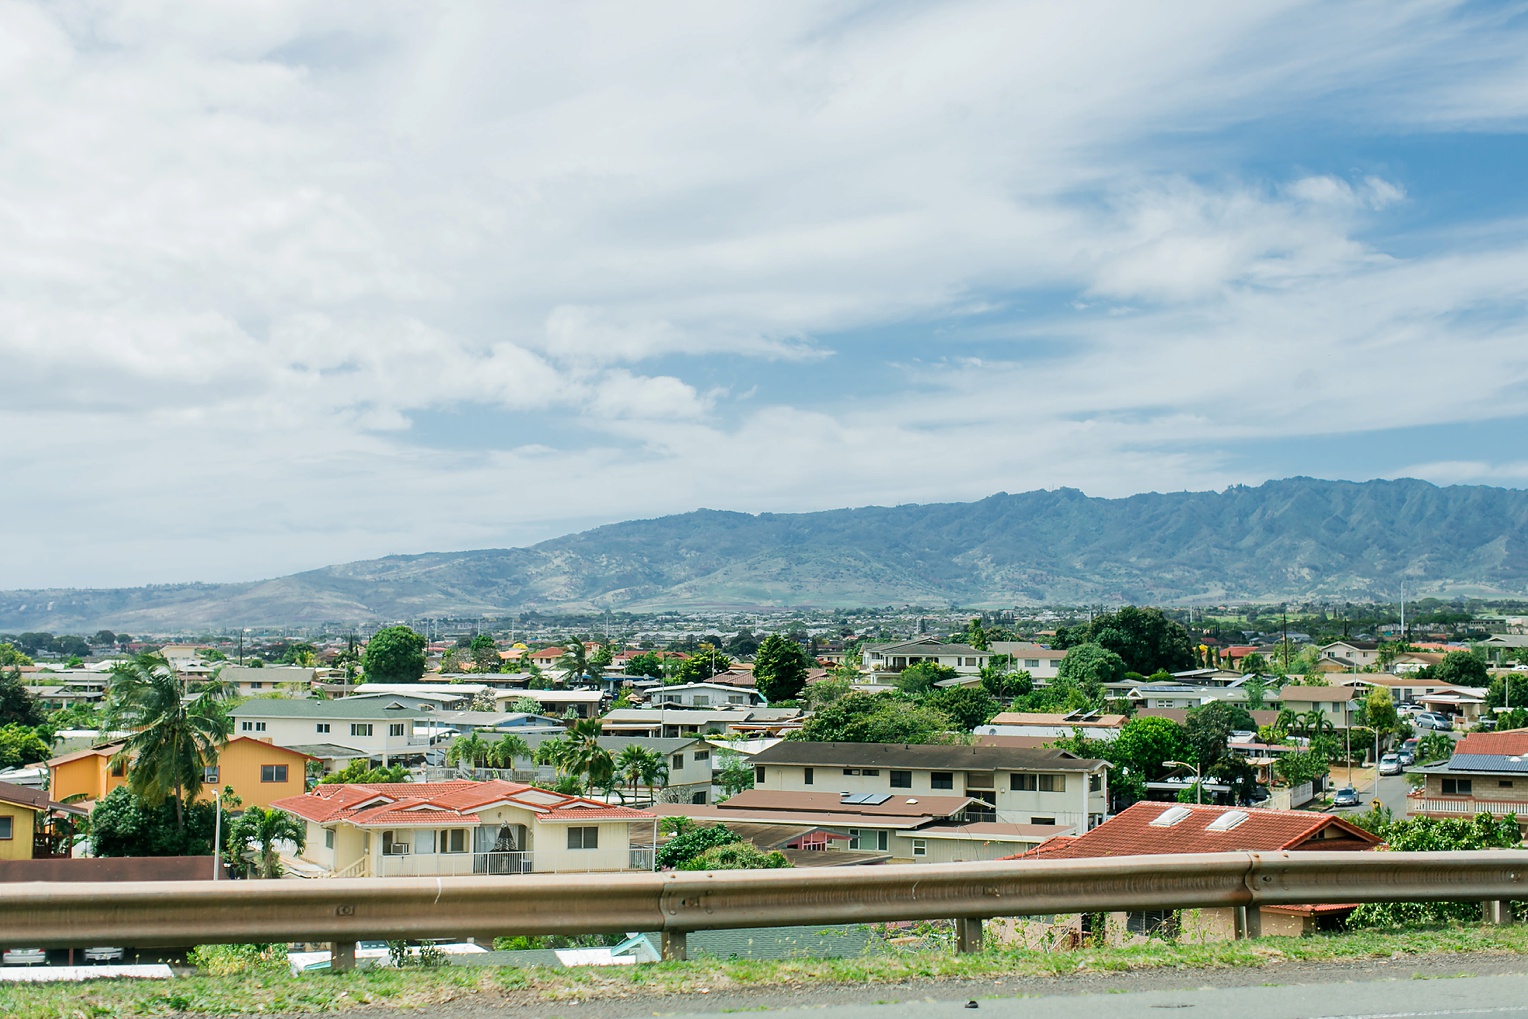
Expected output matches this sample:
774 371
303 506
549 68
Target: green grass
276 991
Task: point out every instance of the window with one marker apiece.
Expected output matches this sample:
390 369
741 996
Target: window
360 728
1053 783
882 840
1023 783
678 762
1161 922
978 780
454 840
702 755
1504 783
872 772
583 838
7 828
1095 783
118 768
1457 787
1042 820
702 700
273 772
920 847
806 776
395 729
736 698
699 797
758 774
328 838
321 727
942 780
901 779
210 775
257 686
1031 663
854 837
970 662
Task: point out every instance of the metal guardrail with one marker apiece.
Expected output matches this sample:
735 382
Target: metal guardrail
185 913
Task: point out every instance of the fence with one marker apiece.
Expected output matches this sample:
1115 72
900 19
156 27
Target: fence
342 912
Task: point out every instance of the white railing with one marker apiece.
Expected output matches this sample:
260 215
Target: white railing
454 864
642 859
1468 805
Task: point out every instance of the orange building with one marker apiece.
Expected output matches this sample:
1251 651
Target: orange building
259 772
26 814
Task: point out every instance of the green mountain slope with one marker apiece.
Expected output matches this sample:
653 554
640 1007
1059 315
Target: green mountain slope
1295 538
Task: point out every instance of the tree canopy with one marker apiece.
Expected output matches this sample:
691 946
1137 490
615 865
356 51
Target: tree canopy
1089 666
1461 667
779 668
877 718
394 654
1144 638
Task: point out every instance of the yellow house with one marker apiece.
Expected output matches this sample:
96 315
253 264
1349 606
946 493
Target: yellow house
25 814
259 772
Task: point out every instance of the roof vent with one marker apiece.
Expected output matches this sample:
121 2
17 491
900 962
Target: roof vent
1230 819
1168 818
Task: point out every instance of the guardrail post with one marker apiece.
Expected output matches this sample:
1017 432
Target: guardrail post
1248 921
968 934
341 956
675 946
1497 911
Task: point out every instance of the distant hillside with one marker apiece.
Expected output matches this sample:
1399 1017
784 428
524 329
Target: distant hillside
1285 539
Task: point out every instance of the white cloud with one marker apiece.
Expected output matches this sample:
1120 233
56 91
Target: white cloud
245 247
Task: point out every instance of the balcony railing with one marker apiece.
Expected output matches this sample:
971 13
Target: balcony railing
453 864
1471 806
641 859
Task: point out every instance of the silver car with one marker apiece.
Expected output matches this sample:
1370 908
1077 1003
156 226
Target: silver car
1390 764
24 957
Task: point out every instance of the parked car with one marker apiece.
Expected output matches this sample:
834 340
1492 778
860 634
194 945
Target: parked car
1434 720
1390 764
1409 708
24 957
1486 725
1407 757
1411 745
104 954
1347 796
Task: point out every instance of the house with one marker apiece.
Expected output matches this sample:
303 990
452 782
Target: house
1463 702
702 695
1415 661
1149 828
582 703
257 771
1354 654
1488 773
441 829
1093 724
1018 786
251 682
890 659
671 723
1041 663
547 658
382 728
27 823
1337 704
896 829
1179 695
1500 645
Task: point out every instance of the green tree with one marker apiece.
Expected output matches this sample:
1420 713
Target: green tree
1510 690
707 661
484 653
735 775
1145 744
877 718
920 677
394 654
1434 746
1254 664
693 842
508 749
1001 680
641 765
254 836
648 663
104 637
21 745
122 824
1432 834
1144 638
967 706
779 669
1462 668
736 856
1257 692
1380 714
174 736
574 662
11 656
1089 666
299 653
16 703
471 750
360 772
1209 728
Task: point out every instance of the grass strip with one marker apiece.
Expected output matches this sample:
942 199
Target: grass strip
274 990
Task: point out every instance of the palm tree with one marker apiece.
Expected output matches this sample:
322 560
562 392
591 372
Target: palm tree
257 831
508 748
654 773
632 763
175 737
472 749
555 752
574 662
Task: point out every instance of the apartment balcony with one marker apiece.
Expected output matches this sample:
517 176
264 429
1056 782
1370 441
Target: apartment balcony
453 864
1468 806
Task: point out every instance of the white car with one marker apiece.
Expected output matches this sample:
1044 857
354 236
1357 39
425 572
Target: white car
24 957
1390 764
104 954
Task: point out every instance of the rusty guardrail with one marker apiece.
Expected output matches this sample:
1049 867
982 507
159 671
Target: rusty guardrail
344 911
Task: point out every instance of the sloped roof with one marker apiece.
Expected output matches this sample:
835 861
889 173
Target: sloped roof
1131 833
1512 742
977 757
440 804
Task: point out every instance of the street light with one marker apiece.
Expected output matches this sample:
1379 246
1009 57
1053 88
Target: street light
1198 786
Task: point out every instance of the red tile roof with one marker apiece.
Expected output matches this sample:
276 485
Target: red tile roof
1131 833
444 803
1512 743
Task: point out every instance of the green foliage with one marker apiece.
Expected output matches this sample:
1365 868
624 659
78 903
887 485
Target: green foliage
1379 712
1463 668
227 960
779 668
735 856
640 765
401 955
1254 664
253 836
920 677
705 662
1209 727
360 772
1003 682
1089 666
299 652
123 824
22 744
826 691
877 718
1256 690
1432 834
1144 639
11 656
394 654
1508 690
1434 746
689 844
967 706
1144 744
1516 718
734 775
16 703
648 663
1301 767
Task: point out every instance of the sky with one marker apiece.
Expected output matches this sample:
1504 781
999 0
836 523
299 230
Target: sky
286 284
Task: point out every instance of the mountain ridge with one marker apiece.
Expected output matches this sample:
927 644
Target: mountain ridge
1293 538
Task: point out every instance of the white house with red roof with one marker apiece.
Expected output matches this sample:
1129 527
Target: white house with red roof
440 829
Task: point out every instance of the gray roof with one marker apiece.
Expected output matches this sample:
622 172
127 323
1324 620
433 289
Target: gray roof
1488 762
328 751
942 756
915 648
615 744
370 707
